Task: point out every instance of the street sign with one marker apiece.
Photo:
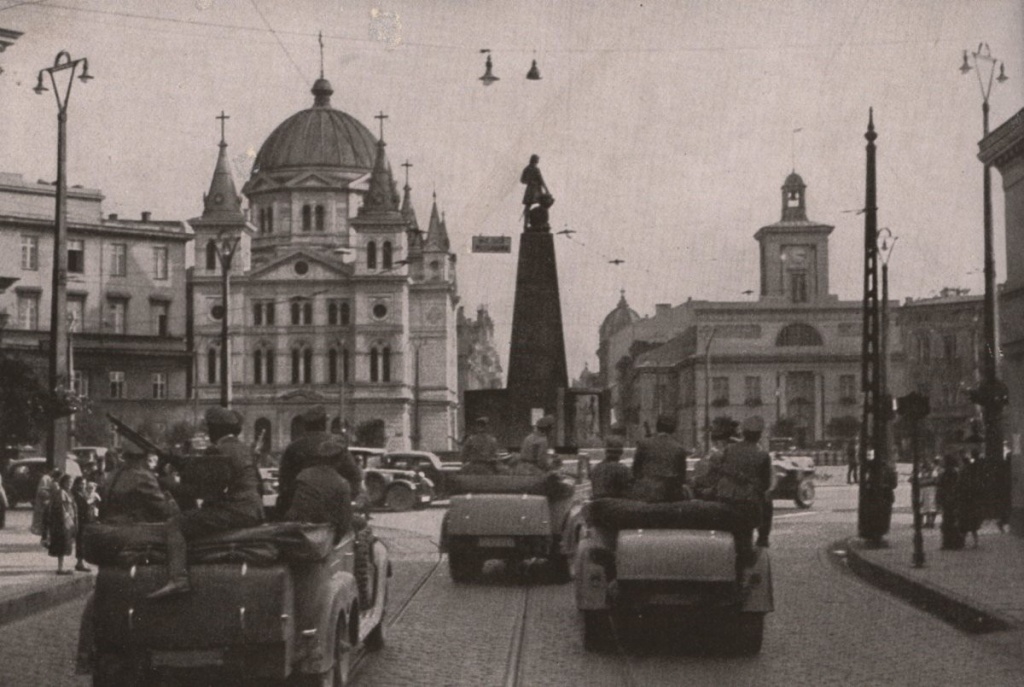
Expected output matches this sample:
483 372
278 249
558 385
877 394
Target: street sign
492 244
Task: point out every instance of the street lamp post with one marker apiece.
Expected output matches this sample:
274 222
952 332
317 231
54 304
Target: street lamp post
886 243
57 440
991 393
226 247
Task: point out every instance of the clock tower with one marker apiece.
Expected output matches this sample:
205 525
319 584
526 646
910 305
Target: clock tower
794 252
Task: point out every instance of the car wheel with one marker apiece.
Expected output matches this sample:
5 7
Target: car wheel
115 670
375 488
597 631
399 498
805 493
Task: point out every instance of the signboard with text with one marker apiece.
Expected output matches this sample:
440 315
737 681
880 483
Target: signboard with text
492 244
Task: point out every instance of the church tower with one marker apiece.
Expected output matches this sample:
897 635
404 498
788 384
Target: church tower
794 252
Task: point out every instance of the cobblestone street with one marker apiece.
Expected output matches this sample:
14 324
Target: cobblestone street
829 627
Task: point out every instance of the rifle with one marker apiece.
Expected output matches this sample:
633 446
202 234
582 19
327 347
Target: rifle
144 443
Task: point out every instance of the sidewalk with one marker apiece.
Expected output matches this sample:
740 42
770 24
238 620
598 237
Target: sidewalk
977 590
28 579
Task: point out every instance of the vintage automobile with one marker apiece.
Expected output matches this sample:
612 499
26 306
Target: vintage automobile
23 477
794 478
426 462
636 561
512 518
391 488
280 604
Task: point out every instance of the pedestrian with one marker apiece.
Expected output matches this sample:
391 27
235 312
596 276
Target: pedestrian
659 466
41 505
78 493
970 495
610 478
61 523
3 504
928 480
949 503
851 463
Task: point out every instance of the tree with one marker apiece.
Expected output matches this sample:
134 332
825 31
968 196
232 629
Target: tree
91 426
371 434
25 404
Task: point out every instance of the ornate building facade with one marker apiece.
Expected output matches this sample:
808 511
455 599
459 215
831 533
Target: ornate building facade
336 295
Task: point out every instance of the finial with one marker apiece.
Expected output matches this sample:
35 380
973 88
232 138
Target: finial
407 166
320 39
381 117
871 135
222 117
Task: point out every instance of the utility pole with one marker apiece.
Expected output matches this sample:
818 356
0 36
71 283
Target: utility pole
57 439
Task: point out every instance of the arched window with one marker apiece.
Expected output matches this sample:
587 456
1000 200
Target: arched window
371 255
296 365
374 365
332 365
923 343
270 220
346 313
211 255
307 218
269 359
319 217
212 357
307 366
307 312
296 312
385 365
344 364
799 334
263 220
332 312
262 431
257 366
385 255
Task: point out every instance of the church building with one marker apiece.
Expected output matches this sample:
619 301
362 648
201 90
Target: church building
336 297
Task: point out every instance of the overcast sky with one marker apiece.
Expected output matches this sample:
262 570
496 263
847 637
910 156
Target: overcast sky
665 129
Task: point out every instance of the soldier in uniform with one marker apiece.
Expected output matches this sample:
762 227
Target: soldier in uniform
480 446
744 475
320 493
534 450
228 482
659 466
301 454
610 478
132 494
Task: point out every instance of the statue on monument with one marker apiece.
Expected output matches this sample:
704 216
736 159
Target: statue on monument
536 198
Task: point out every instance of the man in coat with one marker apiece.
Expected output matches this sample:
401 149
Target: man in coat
610 478
534 449
659 466
228 482
320 493
301 454
744 477
132 494
480 446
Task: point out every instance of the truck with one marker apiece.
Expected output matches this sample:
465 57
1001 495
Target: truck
677 560
281 603
513 518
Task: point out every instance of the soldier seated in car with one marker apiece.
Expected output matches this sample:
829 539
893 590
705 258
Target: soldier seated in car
321 494
610 478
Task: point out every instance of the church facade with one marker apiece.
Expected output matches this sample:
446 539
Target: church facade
336 296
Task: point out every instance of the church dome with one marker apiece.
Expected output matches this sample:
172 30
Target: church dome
622 316
794 180
318 137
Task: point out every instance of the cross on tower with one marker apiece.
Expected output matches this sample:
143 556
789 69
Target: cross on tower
381 117
407 165
223 118
320 38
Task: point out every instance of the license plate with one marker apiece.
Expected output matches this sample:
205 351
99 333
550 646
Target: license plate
497 542
187 659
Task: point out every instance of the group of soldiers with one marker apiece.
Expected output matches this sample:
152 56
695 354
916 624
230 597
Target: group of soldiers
318 481
480 454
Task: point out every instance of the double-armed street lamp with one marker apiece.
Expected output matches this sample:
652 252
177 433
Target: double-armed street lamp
991 393
57 440
226 246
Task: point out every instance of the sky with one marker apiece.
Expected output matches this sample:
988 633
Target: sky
665 129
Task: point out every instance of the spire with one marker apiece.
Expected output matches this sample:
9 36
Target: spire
409 213
381 196
437 232
222 201
622 299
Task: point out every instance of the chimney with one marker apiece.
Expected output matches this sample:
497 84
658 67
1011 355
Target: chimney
112 215
146 214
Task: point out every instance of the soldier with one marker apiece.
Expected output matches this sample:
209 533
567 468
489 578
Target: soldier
227 480
300 454
321 494
132 494
480 446
744 477
534 449
659 466
610 478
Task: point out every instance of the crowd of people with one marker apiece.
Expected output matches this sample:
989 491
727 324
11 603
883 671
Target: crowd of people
64 504
967 489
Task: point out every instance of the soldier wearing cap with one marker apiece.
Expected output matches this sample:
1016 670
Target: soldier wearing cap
301 454
534 449
659 466
610 478
320 494
480 446
744 475
227 480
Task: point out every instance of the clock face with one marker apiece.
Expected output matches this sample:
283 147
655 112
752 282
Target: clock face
797 255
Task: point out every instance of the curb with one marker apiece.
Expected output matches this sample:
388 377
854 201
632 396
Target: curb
962 613
37 600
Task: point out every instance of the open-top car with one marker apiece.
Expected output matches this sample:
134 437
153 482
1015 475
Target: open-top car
394 488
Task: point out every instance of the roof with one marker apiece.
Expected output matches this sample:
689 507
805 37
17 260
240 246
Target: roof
669 353
619 318
318 137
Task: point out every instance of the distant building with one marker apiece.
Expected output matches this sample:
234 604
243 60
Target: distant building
791 357
127 302
337 297
479 362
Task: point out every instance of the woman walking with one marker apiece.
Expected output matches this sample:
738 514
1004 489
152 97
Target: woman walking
61 524
82 507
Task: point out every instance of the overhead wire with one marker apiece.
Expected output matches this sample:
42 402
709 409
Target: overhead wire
273 33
